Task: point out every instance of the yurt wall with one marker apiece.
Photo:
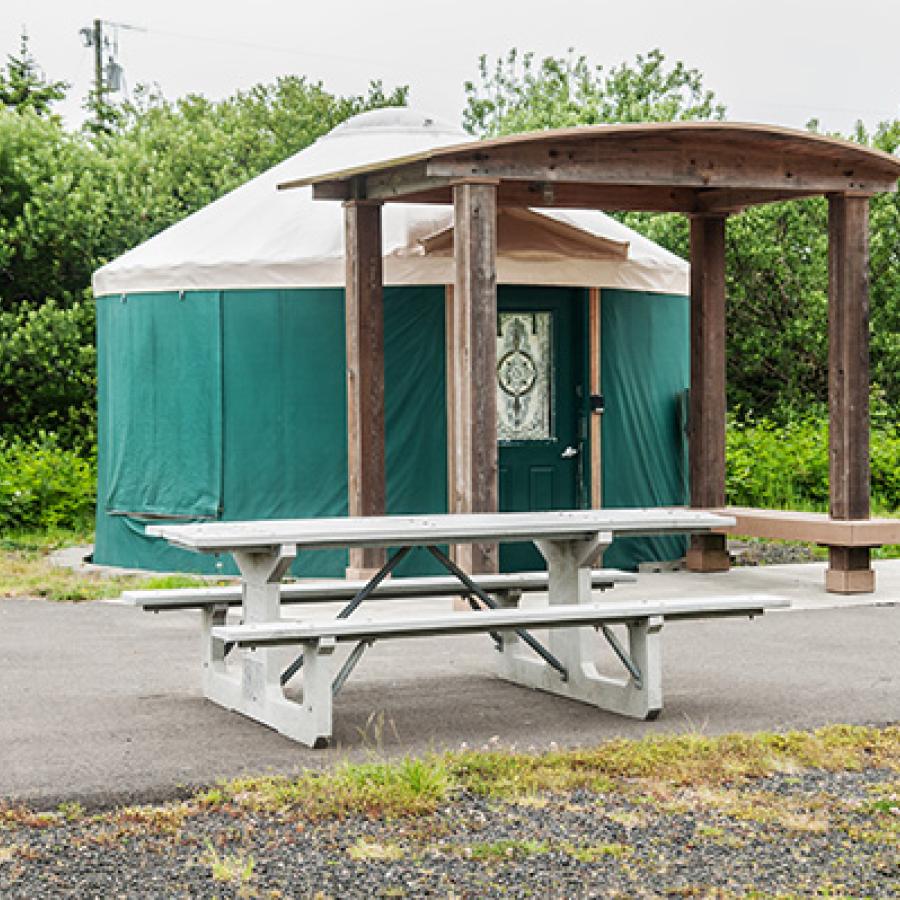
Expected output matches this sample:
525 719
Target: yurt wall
232 405
645 374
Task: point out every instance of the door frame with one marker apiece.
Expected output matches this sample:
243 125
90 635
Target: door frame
593 353
586 338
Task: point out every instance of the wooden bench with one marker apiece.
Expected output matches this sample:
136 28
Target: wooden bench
640 694
849 541
331 590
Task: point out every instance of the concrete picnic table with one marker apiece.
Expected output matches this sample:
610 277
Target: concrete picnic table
570 542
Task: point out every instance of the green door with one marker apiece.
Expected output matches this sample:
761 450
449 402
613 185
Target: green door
539 402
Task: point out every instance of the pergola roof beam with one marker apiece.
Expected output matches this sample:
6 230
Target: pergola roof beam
679 167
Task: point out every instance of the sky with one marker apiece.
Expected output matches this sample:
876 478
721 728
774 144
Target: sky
776 61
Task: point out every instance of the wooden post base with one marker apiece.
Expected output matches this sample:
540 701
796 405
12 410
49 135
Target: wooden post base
363 564
708 553
360 573
849 571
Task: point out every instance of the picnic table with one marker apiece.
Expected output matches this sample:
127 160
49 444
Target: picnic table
570 542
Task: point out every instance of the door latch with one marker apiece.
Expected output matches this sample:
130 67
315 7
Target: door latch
568 453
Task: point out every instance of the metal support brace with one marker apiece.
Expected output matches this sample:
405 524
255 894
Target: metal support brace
625 659
353 605
379 576
488 601
348 666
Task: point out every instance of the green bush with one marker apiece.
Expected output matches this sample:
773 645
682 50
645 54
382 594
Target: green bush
48 373
785 466
44 486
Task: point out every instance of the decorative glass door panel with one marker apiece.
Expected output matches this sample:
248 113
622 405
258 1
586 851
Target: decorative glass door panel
524 376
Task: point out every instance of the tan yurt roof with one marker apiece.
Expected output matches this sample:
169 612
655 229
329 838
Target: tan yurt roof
259 237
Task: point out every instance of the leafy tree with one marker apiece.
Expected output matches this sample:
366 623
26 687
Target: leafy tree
778 298
169 159
72 201
522 95
884 275
53 208
777 307
24 86
777 273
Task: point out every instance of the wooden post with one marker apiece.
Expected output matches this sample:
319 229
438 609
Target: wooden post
364 313
707 553
848 384
474 363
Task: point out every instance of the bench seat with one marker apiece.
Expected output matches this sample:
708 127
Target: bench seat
559 616
563 667
816 528
339 589
849 541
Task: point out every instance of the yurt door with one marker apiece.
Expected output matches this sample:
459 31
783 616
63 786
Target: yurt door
539 364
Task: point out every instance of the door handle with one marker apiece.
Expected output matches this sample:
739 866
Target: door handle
568 453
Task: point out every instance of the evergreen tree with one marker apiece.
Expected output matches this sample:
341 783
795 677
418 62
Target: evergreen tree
24 86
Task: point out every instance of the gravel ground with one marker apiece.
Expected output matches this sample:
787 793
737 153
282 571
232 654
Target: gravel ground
835 833
769 553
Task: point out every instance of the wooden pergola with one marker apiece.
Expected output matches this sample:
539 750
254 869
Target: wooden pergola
705 170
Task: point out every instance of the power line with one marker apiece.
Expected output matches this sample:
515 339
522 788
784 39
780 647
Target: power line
276 48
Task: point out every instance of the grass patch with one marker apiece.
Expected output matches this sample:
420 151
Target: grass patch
678 772
597 852
809 815
680 759
229 868
379 789
26 571
376 852
411 787
885 799
646 783
495 851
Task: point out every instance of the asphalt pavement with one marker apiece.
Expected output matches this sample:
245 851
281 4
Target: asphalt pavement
100 703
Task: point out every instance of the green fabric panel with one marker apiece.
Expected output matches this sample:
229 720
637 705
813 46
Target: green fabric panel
107 550
415 409
163 404
284 439
645 367
285 436
120 541
283 400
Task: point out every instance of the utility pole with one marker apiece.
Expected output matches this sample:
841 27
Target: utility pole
108 77
98 64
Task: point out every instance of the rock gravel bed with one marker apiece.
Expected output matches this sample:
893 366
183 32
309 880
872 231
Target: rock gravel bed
835 833
769 553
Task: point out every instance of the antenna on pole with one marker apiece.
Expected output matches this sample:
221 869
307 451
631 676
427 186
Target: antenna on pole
109 76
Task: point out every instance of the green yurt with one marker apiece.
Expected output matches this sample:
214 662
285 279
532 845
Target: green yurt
221 373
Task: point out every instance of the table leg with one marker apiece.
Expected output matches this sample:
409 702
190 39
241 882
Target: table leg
218 684
569 563
253 685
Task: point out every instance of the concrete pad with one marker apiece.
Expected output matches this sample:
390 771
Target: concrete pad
803 583
100 702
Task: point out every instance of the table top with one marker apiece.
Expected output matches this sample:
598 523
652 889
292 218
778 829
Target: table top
395 531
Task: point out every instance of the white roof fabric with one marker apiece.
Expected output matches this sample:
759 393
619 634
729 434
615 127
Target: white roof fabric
259 237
